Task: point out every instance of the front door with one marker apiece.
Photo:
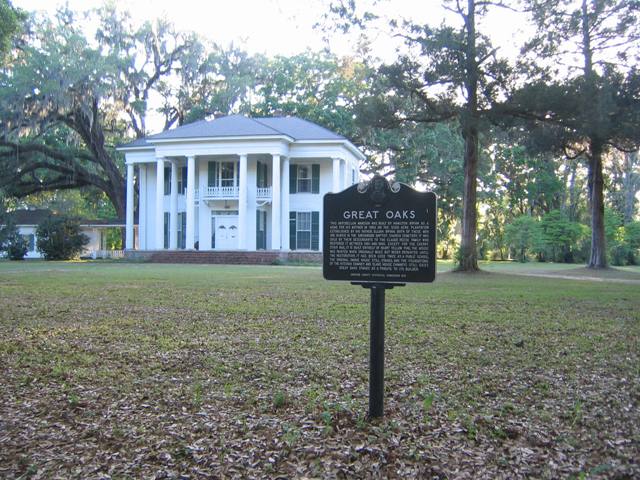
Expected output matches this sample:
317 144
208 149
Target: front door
226 232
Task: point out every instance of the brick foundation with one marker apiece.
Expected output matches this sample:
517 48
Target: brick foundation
231 257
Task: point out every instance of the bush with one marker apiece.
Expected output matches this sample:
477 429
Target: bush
12 242
60 238
17 247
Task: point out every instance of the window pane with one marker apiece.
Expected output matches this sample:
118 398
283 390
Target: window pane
304 221
304 178
304 240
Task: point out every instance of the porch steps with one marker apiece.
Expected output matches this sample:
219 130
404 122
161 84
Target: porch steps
225 257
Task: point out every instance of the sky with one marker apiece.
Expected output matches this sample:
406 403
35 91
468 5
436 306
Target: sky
272 27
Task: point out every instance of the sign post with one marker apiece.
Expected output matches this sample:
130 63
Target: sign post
379 236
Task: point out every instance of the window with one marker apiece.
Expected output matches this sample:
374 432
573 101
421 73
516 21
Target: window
182 230
227 177
304 229
304 178
31 241
223 174
261 174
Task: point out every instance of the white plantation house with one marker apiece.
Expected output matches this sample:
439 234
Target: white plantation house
236 183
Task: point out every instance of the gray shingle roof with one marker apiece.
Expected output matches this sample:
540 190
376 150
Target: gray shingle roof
140 142
241 126
299 129
231 126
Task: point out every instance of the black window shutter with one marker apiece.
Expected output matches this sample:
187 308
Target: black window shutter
292 231
184 180
167 180
293 178
315 178
258 237
315 230
213 174
260 180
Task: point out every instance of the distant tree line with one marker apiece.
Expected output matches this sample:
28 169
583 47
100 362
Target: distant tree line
529 160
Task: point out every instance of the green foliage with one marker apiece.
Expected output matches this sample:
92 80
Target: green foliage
12 243
60 238
632 239
10 24
17 246
315 86
559 237
623 241
523 235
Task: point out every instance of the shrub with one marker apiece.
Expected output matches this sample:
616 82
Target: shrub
12 242
60 238
17 247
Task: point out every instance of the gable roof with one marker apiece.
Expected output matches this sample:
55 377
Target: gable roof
294 128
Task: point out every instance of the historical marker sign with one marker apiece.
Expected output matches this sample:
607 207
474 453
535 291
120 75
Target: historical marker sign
380 233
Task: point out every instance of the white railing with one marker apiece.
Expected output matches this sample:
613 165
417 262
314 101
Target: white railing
263 193
221 192
107 254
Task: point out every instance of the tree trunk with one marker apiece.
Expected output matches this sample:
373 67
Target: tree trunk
631 184
468 258
598 257
88 126
572 208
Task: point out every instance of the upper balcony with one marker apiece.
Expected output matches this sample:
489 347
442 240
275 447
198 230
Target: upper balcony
231 193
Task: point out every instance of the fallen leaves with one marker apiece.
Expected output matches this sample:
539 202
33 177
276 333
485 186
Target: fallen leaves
498 377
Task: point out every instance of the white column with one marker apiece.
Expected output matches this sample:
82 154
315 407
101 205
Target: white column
142 206
275 204
129 208
204 214
190 201
159 203
242 203
173 215
346 178
336 175
285 204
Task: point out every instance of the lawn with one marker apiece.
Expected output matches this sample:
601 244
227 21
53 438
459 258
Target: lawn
111 370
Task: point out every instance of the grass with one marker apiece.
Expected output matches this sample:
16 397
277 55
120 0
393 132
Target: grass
137 370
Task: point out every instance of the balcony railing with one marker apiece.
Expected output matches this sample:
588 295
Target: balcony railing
221 192
225 193
263 193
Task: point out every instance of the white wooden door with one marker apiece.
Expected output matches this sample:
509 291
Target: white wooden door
226 236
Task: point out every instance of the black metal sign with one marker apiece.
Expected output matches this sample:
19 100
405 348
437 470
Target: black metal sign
377 232
379 236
